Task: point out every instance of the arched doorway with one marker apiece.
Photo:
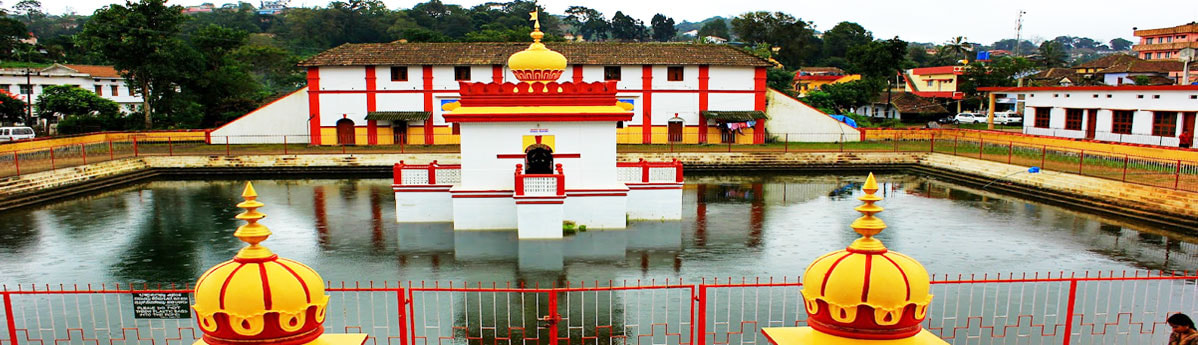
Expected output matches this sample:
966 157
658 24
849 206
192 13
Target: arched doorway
538 159
674 129
345 132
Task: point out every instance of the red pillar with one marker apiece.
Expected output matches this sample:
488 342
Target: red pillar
372 129
704 76
497 74
577 74
428 103
314 105
759 104
647 110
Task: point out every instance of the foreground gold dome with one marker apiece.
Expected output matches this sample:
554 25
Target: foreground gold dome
537 63
257 297
866 291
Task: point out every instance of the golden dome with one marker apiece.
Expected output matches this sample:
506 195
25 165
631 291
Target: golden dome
537 63
866 291
258 297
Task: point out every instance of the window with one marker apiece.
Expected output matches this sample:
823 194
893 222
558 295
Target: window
611 73
5 87
674 73
26 89
1042 116
1121 121
399 73
1148 40
114 90
1073 119
929 83
99 90
461 73
1164 123
457 130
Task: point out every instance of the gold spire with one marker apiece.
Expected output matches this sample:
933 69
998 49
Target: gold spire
868 225
536 27
252 232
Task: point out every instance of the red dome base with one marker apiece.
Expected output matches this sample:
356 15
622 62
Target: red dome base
271 333
864 327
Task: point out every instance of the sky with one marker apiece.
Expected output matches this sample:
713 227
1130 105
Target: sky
933 21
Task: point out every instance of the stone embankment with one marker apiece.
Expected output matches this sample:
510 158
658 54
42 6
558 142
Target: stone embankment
1144 203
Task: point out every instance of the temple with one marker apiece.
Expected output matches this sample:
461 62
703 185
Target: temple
863 294
535 155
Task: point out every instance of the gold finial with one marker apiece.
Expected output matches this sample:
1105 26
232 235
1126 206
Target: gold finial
868 225
536 27
252 232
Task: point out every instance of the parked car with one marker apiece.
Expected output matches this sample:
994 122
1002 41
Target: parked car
970 118
15 133
947 120
1008 118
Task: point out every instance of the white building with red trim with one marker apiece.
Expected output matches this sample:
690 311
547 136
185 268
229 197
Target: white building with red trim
391 93
1149 115
105 81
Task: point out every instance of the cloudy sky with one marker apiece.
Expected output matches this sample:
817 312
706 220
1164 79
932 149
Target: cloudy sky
912 20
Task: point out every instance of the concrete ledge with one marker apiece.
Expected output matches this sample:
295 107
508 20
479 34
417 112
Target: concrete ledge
1164 207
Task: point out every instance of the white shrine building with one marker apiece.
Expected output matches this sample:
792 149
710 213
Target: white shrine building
535 154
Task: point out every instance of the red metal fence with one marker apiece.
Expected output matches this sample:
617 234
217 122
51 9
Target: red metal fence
1062 308
1168 169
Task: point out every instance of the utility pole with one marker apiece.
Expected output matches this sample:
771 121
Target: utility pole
1019 31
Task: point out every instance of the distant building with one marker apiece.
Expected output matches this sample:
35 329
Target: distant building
202 8
1164 43
902 106
1150 115
272 7
1122 69
103 80
1056 77
937 82
812 78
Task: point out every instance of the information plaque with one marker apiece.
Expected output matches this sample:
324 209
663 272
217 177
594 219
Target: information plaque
172 305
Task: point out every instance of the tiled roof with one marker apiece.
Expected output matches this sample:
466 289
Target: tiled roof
1144 66
364 54
908 103
1107 61
96 71
1055 73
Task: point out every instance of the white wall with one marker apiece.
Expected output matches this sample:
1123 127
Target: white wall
1143 102
803 122
270 123
595 141
335 106
11 81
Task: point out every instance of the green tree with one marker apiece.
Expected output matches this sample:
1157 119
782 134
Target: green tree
588 22
141 39
1051 54
1120 44
879 59
1001 71
842 98
57 101
223 87
716 27
626 28
956 48
844 36
780 79
663 28
11 108
794 37
12 32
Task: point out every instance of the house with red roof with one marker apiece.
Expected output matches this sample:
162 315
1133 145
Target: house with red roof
105 81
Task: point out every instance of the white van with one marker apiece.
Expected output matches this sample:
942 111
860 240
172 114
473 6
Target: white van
1007 118
15 133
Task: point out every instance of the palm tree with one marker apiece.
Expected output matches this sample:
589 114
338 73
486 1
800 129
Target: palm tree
956 47
1051 55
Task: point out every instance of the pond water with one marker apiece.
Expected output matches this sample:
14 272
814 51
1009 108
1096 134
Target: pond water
753 226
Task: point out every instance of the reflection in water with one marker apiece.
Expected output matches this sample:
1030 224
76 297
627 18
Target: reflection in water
754 226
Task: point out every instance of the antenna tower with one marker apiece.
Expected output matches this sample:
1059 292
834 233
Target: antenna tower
1019 31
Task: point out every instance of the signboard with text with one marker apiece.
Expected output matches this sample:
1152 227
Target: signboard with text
170 305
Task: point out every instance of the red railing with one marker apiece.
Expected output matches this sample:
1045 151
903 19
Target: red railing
1055 308
425 174
651 171
522 179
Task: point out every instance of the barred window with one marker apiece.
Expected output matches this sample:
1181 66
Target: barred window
1164 123
1121 121
1073 119
1042 116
